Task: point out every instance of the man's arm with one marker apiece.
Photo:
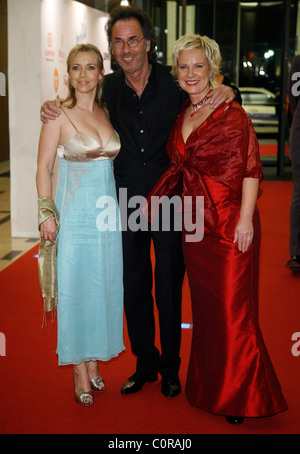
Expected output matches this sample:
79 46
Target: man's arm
224 93
238 97
50 110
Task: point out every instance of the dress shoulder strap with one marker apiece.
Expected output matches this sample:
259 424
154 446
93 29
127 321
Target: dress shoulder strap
68 118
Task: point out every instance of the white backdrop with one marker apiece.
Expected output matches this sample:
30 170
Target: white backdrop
40 35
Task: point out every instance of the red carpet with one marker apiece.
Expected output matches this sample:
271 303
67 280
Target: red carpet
270 149
36 396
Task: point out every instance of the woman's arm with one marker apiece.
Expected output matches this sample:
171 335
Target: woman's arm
244 228
49 140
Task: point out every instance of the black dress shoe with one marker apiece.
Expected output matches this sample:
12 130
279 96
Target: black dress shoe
170 386
294 263
137 381
234 420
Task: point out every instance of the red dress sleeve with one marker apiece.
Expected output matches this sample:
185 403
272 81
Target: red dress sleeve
254 168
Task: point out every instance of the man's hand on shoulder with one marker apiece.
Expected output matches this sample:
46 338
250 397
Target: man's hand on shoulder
220 94
50 110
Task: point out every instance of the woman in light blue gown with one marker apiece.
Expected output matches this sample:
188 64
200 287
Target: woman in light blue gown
89 250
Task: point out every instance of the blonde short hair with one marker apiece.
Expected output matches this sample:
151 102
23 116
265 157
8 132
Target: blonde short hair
99 63
208 46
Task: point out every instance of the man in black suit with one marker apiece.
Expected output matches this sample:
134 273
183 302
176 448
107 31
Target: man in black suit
143 102
294 92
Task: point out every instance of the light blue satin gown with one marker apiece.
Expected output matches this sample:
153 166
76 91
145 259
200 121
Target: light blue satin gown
89 258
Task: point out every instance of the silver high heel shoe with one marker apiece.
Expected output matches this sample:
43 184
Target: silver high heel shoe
82 397
97 384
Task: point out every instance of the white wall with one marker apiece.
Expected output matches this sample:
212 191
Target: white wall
40 36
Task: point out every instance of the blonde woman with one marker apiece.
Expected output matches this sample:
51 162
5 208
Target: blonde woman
215 155
89 254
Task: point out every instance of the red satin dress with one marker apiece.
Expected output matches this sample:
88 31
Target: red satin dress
230 371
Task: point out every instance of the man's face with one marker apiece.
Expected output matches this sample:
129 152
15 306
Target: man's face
130 59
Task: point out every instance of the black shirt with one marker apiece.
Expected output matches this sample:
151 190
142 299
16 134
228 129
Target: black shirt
138 113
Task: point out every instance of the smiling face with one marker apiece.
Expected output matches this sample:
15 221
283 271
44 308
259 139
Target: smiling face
84 73
134 59
194 73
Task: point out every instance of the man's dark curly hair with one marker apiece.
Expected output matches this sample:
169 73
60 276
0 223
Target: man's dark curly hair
133 12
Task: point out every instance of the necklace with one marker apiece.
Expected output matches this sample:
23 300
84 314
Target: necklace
198 105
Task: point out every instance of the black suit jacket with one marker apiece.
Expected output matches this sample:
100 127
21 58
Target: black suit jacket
136 171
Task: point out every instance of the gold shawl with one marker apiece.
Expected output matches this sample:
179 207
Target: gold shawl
47 255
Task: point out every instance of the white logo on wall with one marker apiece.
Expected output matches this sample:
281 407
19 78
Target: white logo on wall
2 84
61 52
49 53
82 34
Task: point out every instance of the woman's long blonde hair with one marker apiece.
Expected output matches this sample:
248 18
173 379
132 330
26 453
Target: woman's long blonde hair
99 62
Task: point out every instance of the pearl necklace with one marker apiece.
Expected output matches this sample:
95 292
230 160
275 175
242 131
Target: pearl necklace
198 105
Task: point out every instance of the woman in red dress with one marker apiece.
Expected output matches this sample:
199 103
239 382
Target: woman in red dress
215 154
